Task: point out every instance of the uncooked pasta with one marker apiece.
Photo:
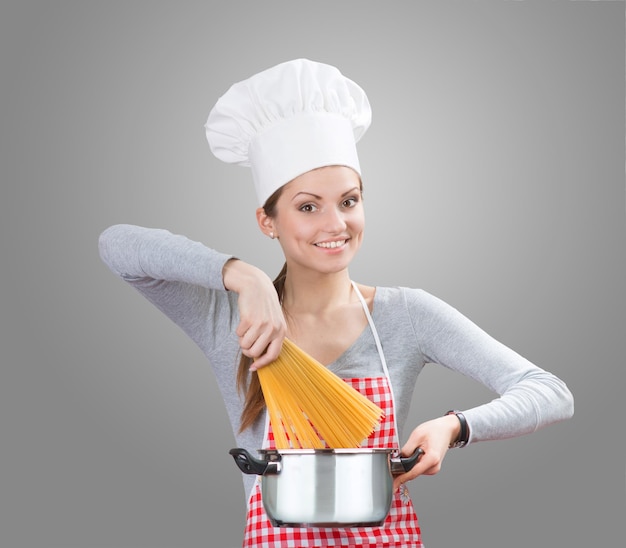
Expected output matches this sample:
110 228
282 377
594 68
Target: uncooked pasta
311 407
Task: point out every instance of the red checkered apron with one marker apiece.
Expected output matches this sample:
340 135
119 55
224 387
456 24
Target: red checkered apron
401 527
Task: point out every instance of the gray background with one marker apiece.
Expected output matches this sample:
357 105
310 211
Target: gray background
494 173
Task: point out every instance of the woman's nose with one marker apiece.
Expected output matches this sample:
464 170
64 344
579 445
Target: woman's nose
334 220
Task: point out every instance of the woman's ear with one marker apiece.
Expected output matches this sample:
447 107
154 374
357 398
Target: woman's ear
266 223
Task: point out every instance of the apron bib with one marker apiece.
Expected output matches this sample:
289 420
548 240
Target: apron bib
401 527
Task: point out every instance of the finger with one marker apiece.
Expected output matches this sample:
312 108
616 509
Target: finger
428 465
243 327
406 477
253 342
398 481
261 345
271 353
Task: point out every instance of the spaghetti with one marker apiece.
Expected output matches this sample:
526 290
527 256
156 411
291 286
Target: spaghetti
311 407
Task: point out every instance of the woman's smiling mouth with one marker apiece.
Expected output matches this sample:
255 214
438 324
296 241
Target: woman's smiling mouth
331 245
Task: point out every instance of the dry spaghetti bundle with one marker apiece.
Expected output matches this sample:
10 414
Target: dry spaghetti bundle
306 402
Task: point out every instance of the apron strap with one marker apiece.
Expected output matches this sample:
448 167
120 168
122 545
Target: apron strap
379 347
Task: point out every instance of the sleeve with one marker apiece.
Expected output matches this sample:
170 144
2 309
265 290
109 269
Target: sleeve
181 277
136 253
529 397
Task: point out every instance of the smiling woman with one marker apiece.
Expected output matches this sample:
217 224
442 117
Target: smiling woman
318 217
296 126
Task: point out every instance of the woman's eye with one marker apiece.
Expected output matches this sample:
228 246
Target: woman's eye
349 202
307 208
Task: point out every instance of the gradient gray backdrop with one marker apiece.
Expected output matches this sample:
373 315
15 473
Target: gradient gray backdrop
494 174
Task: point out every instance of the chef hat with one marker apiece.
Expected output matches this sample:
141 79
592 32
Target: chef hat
287 120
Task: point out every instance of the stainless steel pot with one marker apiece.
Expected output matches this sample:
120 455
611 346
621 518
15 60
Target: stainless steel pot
326 487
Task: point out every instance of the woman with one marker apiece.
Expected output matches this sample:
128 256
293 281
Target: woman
296 126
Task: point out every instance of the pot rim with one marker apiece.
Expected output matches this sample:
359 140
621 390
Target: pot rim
338 451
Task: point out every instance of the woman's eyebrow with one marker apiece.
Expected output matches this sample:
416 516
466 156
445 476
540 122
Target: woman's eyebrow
308 194
356 188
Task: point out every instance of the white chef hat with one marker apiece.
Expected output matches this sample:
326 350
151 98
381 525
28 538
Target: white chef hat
287 120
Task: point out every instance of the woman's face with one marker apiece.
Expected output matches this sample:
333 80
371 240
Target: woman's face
319 219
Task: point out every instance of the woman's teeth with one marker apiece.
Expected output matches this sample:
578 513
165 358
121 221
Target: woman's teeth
330 245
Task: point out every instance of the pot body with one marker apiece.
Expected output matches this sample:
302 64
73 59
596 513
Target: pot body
329 489
324 487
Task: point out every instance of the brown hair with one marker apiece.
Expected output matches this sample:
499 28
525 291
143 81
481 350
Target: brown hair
254 401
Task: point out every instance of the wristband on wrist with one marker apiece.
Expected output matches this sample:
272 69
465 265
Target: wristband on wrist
463 438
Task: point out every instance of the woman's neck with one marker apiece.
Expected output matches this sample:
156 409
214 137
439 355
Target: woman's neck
314 293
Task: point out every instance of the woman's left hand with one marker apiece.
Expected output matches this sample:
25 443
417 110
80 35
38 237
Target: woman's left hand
434 437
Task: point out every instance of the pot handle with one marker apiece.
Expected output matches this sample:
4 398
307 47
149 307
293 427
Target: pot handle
251 465
400 465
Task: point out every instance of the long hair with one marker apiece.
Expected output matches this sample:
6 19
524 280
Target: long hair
247 383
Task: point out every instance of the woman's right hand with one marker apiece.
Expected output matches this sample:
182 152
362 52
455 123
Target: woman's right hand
262 326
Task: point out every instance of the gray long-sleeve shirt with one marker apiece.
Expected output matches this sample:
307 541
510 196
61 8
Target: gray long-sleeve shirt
183 279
